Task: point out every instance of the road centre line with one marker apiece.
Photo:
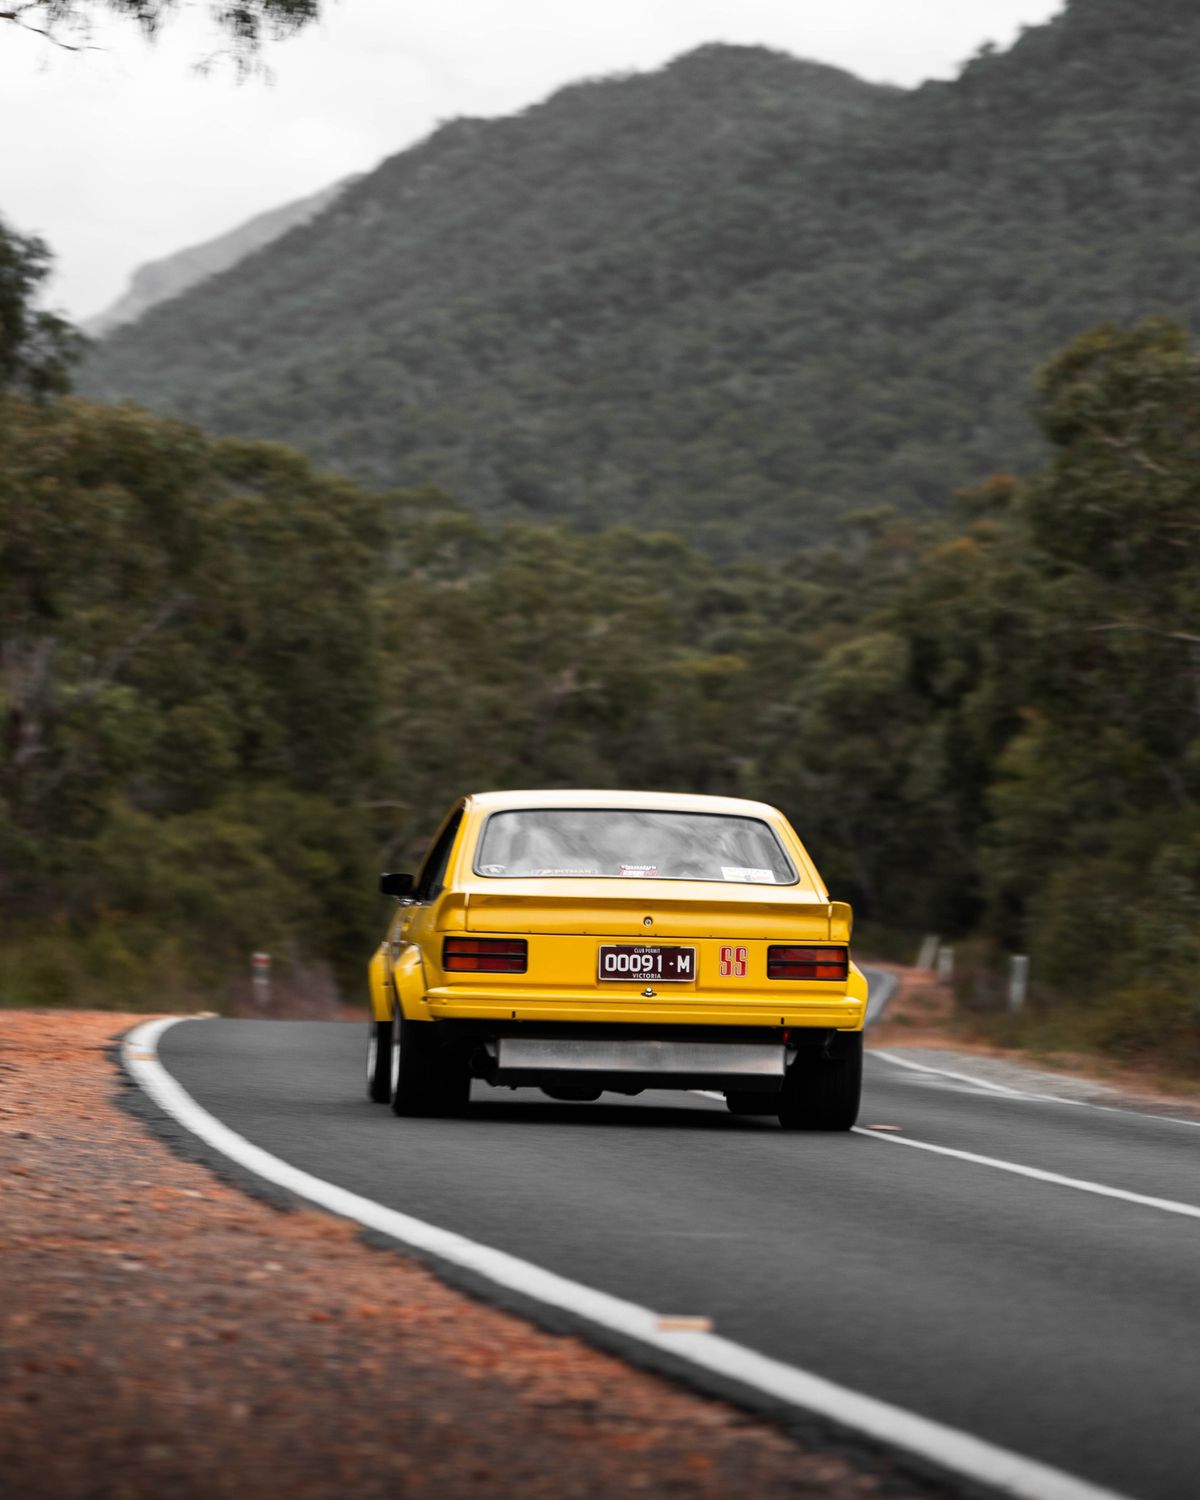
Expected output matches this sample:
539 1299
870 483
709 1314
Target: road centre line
1000 1088
997 1468
1056 1179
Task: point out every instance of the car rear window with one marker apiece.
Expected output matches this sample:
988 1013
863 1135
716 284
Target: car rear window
631 843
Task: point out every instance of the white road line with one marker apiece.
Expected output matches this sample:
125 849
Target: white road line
1000 1088
1003 1471
904 1062
1164 1205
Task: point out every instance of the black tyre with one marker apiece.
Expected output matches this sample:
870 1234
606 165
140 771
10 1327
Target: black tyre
573 1093
822 1091
379 1061
426 1077
744 1103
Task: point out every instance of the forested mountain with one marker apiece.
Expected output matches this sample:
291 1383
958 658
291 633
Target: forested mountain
159 280
733 297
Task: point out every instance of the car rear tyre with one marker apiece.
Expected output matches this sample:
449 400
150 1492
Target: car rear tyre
820 1092
426 1078
379 1061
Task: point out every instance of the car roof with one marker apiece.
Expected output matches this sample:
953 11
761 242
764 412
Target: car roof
581 797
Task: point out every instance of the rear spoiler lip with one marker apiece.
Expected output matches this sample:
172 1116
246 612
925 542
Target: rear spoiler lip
658 892
477 906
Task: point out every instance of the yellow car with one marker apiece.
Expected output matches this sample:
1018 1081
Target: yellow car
583 941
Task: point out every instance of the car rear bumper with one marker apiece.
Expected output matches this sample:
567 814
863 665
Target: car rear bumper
628 1059
630 1065
516 1054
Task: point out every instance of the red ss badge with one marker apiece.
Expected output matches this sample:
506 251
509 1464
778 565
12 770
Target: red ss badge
733 961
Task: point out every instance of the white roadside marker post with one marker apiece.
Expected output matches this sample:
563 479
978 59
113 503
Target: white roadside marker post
260 970
1018 982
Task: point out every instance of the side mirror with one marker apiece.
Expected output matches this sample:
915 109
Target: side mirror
396 885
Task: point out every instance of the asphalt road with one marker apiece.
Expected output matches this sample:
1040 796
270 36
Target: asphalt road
1059 1324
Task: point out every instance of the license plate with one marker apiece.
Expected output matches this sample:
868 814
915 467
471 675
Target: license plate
647 961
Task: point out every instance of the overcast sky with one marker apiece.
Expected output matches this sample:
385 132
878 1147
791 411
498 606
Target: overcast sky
120 155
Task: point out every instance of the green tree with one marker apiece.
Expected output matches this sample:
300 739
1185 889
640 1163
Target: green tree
1093 849
37 348
188 680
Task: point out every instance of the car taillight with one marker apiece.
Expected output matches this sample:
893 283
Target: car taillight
807 963
489 955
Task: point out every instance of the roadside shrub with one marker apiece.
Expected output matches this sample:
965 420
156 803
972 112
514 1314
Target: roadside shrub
93 969
1151 1020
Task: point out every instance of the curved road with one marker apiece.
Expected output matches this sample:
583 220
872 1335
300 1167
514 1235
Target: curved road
1055 1321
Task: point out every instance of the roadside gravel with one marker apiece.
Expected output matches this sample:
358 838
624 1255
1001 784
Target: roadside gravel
165 1335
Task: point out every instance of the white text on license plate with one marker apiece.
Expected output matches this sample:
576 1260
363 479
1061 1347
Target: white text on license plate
647 961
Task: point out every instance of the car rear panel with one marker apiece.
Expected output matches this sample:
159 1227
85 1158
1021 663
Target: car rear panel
565 924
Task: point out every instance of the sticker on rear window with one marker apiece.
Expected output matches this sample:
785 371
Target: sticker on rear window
747 874
640 872
568 870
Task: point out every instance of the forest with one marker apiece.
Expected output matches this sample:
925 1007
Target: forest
236 687
735 299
